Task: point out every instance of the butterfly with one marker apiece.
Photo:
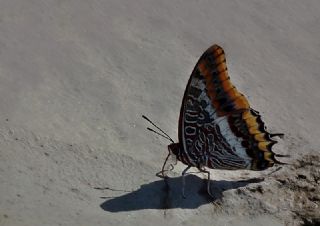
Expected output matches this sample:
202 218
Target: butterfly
217 127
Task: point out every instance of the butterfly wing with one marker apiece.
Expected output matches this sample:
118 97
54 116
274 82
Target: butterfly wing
217 127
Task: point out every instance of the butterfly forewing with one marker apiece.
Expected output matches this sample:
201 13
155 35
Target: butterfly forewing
217 127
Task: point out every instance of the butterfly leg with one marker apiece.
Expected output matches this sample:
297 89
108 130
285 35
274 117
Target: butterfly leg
163 170
208 183
184 180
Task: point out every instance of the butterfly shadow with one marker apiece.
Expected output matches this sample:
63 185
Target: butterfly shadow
166 194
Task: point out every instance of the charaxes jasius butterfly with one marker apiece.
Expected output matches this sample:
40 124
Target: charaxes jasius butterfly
217 127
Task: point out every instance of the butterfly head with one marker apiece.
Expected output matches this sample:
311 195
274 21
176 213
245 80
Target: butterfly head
174 148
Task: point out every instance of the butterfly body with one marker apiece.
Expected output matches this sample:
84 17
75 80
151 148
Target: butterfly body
217 127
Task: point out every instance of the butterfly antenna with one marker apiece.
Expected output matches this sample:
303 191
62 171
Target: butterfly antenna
160 134
164 134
